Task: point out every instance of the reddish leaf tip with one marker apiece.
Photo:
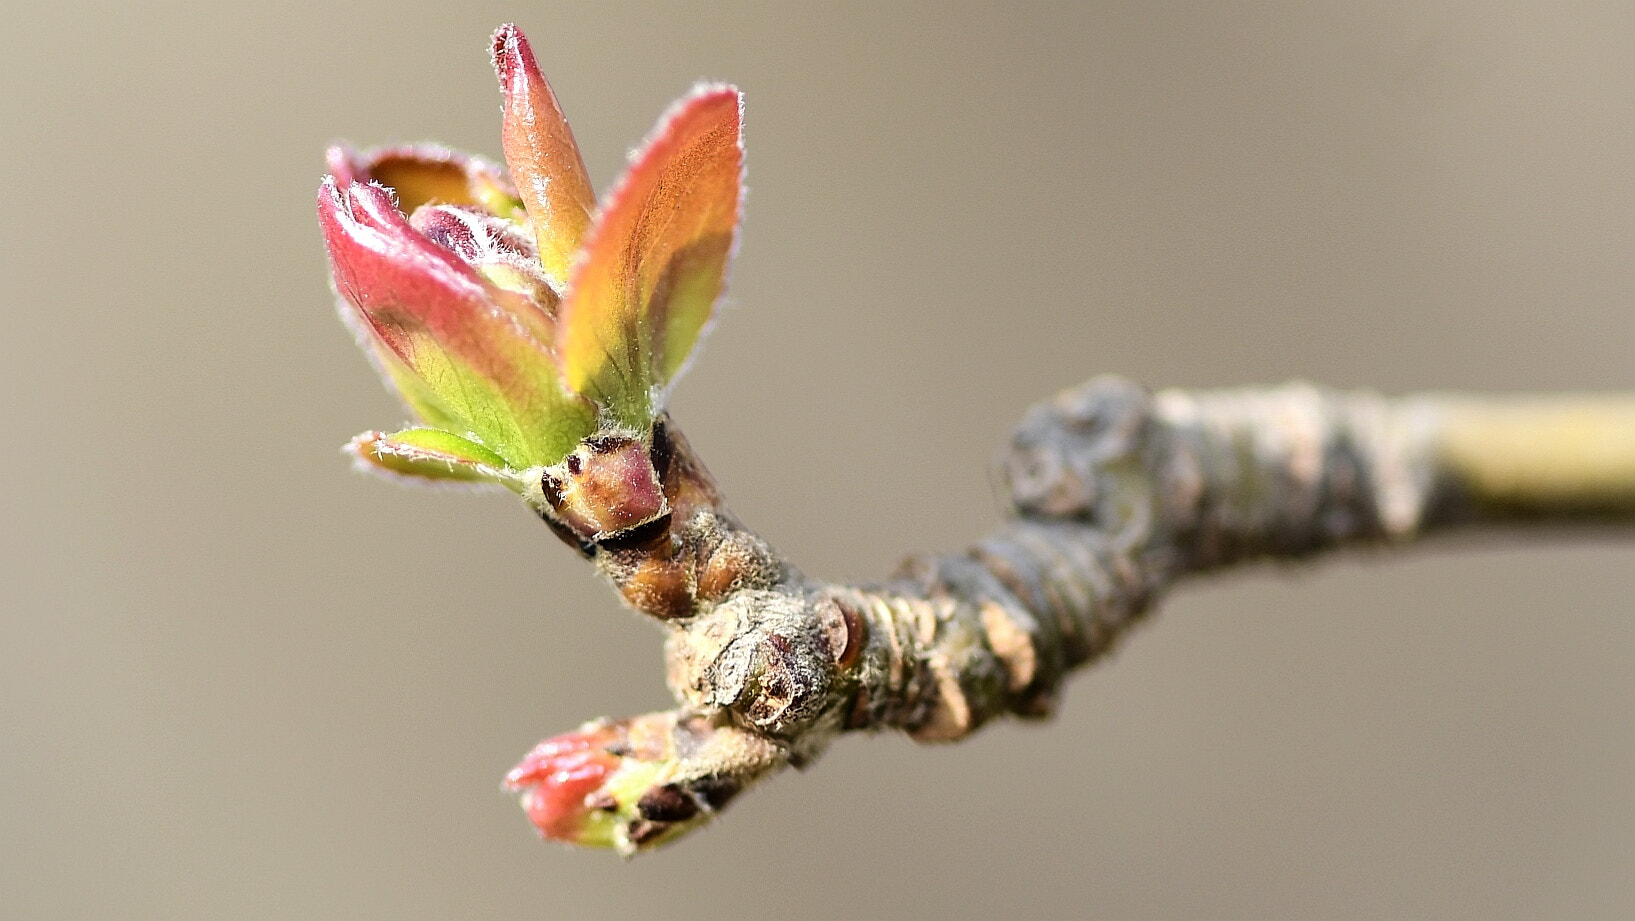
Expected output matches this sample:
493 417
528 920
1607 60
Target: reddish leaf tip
506 49
342 163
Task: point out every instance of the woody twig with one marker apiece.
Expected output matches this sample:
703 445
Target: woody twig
534 332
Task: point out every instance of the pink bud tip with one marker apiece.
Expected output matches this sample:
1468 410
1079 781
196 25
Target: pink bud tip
559 777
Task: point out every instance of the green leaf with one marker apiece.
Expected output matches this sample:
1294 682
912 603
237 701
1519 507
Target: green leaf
431 456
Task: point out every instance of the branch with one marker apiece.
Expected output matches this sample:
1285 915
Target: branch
1116 493
534 333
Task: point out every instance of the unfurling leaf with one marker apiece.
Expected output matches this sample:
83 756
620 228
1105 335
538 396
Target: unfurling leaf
468 354
542 154
655 260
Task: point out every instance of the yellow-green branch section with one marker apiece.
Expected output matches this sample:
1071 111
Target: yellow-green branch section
1543 457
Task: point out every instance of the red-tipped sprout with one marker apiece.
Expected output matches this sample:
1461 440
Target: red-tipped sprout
634 784
561 784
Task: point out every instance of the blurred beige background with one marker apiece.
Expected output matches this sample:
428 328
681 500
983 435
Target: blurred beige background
237 681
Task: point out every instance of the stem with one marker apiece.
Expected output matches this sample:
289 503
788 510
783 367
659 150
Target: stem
1117 494
1549 458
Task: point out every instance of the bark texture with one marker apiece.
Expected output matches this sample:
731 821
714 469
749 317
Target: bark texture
1116 494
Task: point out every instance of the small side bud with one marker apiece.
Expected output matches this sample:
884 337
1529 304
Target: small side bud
739 560
605 486
658 587
844 630
761 654
561 782
634 784
668 803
